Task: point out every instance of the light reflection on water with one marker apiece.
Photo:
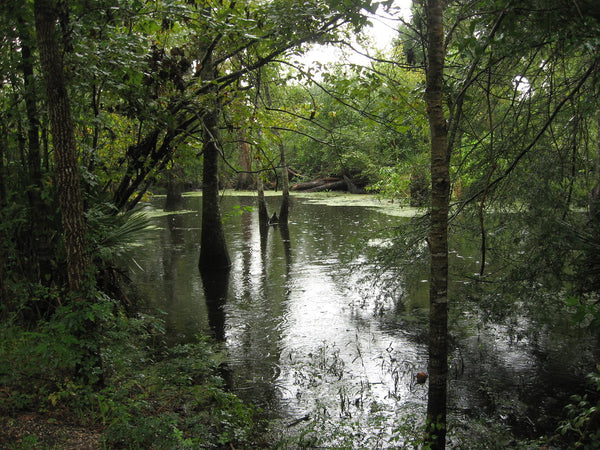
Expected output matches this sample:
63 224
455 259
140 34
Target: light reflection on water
305 333
296 339
300 329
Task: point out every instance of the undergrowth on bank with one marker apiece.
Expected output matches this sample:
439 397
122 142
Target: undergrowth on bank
142 393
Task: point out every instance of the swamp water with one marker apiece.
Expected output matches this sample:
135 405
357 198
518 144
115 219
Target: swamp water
314 344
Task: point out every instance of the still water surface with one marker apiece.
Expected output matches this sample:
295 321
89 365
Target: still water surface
308 336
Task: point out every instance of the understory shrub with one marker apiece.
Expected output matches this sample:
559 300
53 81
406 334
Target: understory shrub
138 390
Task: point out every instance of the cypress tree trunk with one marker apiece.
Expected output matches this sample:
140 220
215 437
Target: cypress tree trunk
285 188
41 253
285 179
263 213
175 188
63 137
438 234
213 248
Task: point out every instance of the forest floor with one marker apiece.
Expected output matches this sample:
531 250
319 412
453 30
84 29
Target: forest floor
47 431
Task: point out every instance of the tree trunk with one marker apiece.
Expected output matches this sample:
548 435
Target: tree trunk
438 234
175 188
216 287
213 248
284 210
65 151
245 180
285 179
41 253
138 168
263 213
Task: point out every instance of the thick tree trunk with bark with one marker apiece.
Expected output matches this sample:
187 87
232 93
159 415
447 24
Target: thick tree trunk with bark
213 248
63 137
438 235
40 245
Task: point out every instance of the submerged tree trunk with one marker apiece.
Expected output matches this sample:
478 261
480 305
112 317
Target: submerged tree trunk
65 151
285 179
216 286
213 248
438 234
263 213
284 211
175 188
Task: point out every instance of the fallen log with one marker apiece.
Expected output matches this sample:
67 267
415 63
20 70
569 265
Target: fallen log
309 185
340 185
344 183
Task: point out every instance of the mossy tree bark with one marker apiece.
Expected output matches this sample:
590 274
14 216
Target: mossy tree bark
65 149
438 234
